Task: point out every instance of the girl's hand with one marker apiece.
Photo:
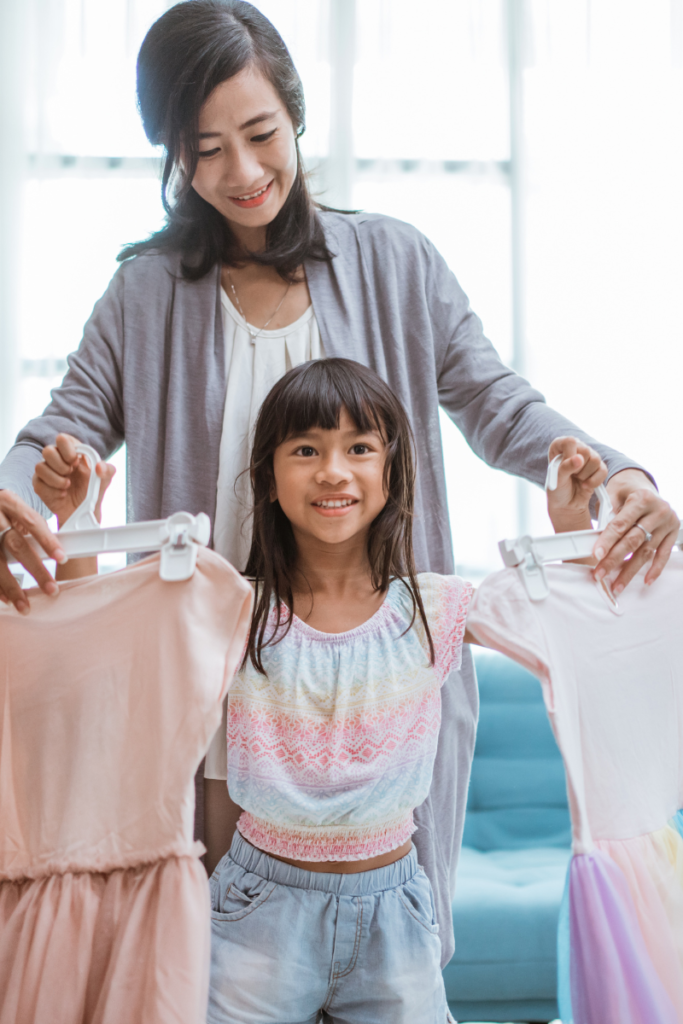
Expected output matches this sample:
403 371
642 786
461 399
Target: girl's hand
580 472
61 479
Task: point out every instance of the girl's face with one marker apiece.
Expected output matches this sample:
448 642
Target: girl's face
330 483
247 154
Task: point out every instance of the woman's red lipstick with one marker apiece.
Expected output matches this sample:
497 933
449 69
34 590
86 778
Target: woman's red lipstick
257 200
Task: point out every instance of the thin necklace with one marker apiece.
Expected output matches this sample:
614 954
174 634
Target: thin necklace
254 335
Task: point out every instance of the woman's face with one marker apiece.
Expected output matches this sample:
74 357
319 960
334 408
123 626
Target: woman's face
247 154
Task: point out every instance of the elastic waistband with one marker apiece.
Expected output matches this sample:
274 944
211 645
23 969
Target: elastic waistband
360 883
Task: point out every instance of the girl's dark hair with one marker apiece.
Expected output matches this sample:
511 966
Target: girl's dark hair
309 396
187 52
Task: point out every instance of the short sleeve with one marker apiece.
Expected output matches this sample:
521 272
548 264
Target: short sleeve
501 617
446 601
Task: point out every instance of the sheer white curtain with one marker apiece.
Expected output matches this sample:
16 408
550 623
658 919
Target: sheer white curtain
90 184
604 130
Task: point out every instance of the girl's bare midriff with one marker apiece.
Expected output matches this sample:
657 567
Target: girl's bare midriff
350 867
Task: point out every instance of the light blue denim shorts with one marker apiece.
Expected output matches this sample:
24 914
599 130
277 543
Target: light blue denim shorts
296 947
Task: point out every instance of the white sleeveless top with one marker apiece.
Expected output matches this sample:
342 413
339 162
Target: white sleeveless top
252 369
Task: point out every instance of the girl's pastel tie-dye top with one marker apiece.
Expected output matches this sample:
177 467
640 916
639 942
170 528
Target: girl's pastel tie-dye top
331 752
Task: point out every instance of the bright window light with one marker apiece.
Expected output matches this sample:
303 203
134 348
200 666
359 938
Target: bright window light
602 225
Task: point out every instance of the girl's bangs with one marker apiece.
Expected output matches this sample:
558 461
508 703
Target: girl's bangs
316 396
311 396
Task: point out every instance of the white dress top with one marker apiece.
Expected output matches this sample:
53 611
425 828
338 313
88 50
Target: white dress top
252 367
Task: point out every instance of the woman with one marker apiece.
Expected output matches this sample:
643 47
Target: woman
249 277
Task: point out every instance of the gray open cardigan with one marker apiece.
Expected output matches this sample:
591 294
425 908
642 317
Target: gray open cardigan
150 370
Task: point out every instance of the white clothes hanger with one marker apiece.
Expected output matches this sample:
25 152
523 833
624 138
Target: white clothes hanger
529 554
178 537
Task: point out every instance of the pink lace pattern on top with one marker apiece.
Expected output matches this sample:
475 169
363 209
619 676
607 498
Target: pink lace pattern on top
329 754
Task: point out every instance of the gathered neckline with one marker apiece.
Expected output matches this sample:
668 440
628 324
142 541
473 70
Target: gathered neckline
370 625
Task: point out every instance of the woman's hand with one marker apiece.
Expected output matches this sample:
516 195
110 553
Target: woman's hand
622 544
580 472
635 500
17 522
61 479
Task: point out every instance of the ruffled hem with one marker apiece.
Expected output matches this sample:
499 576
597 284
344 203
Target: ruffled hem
93 862
326 842
625 950
131 945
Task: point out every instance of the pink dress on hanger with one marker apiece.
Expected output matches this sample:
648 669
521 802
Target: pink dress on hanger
613 688
109 696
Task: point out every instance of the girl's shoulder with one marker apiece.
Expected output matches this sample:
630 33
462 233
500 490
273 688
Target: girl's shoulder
446 601
441 594
436 590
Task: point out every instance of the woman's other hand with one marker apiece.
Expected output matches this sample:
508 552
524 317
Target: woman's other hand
580 472
635 500
61 479
18 522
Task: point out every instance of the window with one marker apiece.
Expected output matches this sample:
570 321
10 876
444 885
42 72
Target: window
539 145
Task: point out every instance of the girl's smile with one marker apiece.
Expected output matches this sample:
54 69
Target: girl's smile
335 504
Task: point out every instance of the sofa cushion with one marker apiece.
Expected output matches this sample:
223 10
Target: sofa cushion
505 1010
505 915
517 797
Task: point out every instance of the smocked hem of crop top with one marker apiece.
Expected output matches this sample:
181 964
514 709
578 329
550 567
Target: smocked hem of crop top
326 842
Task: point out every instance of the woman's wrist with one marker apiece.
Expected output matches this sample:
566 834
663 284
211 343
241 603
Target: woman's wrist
77 568
566 521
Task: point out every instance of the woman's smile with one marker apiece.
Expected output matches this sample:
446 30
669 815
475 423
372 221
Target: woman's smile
256 198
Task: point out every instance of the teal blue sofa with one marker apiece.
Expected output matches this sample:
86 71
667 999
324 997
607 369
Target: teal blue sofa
514 859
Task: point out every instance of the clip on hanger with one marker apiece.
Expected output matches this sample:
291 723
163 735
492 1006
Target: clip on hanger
178 537
529 554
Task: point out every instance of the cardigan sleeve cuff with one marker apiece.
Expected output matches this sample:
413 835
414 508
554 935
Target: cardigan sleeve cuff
16 472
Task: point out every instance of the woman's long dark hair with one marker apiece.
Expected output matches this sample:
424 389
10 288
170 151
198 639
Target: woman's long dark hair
309 396
187 52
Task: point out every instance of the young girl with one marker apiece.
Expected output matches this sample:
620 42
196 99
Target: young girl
320 908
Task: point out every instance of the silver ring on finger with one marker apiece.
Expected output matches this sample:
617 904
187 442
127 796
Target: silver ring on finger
648 535
2 534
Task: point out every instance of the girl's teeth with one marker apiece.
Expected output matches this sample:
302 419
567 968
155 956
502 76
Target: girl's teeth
334 504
